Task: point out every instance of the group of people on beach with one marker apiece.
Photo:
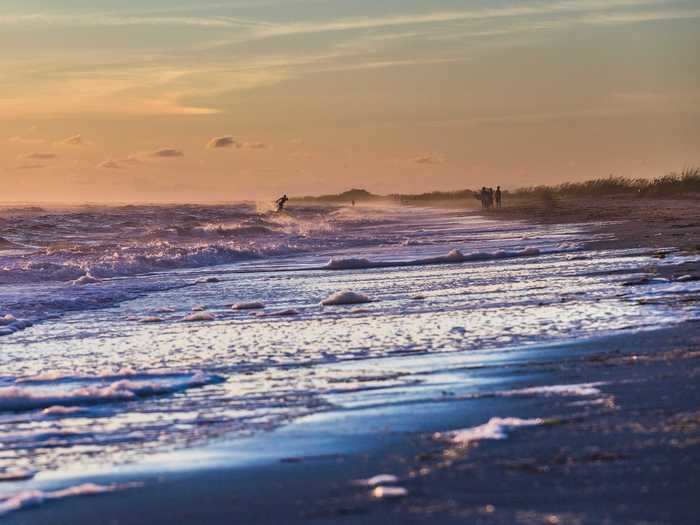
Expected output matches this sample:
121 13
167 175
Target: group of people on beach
490 197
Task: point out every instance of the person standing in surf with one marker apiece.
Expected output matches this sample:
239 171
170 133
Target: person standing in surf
498 196
281 202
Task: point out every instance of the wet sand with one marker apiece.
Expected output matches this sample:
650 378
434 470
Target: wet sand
627 455
636 222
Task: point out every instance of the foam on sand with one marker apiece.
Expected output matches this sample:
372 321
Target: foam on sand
453 257
345 297
287 312
575 390
7 319
251 305
22 398
86 279
389 492
199 316
379 479
151 319
60 410
496 428
32 498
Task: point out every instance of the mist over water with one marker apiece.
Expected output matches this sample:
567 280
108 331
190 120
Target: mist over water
136 349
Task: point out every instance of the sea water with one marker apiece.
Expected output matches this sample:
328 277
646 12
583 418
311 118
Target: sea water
130 331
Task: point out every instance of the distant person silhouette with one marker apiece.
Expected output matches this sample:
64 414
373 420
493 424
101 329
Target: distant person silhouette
498 196
353 202
281 202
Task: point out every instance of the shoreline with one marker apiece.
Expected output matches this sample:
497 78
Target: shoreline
636 437
626 455
635 222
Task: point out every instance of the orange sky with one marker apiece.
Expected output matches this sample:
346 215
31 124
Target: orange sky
125 102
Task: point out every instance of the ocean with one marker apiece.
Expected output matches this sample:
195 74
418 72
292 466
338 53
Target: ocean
129 332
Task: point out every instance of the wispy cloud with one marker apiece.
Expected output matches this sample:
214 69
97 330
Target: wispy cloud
40 156
508 11
30 166
641 16
255 145
75 140
115 20
167 153
110 164
427 159
227 141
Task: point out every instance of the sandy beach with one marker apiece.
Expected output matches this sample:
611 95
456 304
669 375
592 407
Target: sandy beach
622 451
602 428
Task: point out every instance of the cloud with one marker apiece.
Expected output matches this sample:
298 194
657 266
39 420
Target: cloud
110 164
40 156
427 159
167 153
30 166
441 17
255 145
227 141
131 160
25 140
75 140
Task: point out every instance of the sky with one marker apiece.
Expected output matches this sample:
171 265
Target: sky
218 100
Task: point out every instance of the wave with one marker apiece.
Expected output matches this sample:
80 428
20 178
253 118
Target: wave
9 245
34 498
133 240
454 256
97 391
131 261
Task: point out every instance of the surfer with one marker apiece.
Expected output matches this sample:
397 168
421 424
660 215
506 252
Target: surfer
281 202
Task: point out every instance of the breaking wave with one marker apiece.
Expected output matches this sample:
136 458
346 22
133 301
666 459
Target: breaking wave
454 256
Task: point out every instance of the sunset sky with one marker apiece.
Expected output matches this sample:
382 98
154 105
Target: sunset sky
193 100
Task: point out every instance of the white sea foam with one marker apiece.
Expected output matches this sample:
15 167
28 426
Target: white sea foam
32 498
389 492
252 305
360 310
86 279
60 410
454 256
379 479
151 319
286 312
21 398
7 319
575 390
345 297
199 316
496 428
